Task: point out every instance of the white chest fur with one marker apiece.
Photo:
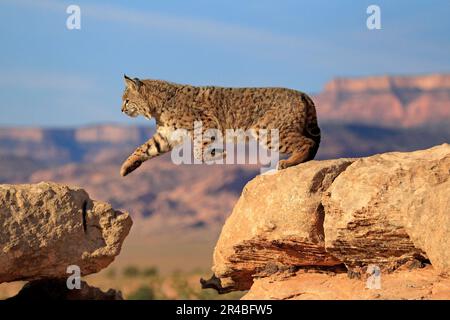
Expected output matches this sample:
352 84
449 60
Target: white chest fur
172 135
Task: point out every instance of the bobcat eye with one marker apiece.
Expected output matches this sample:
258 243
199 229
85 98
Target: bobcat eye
126 101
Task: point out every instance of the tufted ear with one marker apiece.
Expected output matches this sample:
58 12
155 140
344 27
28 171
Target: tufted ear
128 81
133 83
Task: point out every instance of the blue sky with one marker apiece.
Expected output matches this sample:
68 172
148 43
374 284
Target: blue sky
52 76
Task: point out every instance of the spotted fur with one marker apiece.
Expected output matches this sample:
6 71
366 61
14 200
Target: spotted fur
176 106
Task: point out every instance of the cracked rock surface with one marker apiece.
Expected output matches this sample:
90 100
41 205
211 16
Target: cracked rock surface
46 227
337 217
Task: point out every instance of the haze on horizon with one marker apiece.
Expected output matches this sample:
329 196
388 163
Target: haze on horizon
52 76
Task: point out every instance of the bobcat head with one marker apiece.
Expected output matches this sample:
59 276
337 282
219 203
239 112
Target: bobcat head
134 102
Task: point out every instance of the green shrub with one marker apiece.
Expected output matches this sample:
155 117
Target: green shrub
150 272
182 287
143 293
131 272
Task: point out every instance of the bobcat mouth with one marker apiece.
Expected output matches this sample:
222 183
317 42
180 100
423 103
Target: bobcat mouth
132 113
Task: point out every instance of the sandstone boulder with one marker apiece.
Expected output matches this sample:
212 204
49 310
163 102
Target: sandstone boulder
277 223
339 216
47 227
390 208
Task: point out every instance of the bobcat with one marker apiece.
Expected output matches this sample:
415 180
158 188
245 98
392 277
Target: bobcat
176 106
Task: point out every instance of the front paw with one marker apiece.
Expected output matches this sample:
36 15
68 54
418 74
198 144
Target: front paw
129 165
282 164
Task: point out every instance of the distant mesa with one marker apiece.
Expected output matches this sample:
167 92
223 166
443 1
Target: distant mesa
430 82
392 101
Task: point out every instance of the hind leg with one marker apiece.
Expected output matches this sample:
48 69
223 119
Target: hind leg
301 150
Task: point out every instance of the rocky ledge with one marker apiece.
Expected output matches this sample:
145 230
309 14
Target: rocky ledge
321 229
47 227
